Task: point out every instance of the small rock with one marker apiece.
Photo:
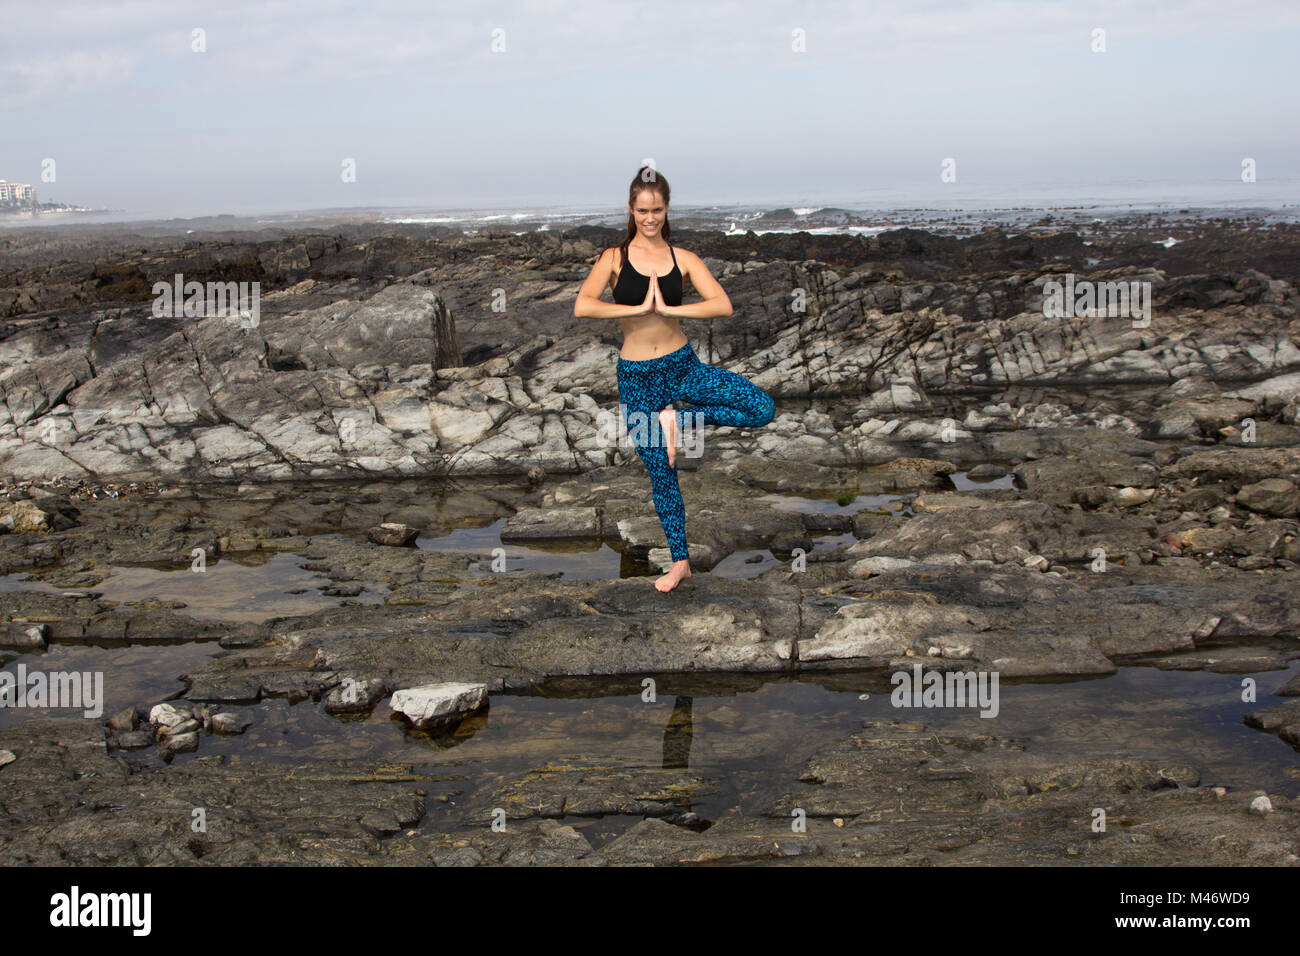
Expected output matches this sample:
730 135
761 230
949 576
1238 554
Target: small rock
25 636
1246 665
170 714
6 757
1036 562
381 822
179 744
124 720
24 517
1129 497
350 589
435 704
187 726
229 723
393 534
354 696
133 739
929 466
1261 805
1272 496
1290 689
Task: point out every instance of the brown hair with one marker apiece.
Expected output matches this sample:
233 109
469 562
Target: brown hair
647 177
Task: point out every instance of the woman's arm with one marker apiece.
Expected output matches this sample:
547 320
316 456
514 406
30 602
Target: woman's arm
715 302
589 304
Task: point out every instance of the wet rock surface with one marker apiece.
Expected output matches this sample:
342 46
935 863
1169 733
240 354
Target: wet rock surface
948 481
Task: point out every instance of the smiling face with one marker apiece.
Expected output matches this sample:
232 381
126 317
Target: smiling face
649 212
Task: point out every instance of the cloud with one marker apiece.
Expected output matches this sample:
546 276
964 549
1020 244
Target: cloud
62 74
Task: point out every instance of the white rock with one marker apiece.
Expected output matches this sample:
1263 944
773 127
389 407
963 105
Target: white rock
1128 497
168 715
1261 805
435 703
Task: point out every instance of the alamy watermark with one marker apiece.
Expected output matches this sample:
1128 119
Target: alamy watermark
75 909
53 689
197 300
952 689
637 428
1089 300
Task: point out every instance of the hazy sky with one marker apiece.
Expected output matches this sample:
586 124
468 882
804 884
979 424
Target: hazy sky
715 93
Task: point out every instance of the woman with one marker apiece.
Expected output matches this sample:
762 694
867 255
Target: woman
657 365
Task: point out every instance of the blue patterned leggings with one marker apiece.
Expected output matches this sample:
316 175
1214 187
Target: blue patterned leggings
719 397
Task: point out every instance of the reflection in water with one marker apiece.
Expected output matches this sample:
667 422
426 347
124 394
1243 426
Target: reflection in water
677 736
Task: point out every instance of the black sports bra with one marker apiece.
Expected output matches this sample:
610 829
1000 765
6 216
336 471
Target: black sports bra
632 286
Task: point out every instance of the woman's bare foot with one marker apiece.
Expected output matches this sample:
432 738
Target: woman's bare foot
668 425
680 569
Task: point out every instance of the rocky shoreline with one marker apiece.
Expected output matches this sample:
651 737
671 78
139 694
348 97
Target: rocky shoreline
1059 498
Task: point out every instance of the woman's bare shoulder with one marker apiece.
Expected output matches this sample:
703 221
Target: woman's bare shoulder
691 259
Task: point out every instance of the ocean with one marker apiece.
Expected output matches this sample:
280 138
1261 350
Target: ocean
953 209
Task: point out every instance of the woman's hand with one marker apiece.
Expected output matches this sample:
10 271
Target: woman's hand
660 306
648 304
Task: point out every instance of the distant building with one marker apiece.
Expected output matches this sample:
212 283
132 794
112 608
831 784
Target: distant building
16 192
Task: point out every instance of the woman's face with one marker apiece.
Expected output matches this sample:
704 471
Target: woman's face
649 212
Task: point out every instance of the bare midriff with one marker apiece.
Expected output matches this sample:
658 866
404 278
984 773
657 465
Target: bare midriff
650 336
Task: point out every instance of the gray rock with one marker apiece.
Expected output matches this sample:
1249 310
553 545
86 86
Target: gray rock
393 534
541 523
133 739
356 696
188 726
1272 496
434 704
1242 466
230 723
1290 689
25 636
179 744
126 719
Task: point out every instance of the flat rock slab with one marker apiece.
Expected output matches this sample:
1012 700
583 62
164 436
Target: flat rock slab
1241 465
542 523
1282 719
433 705
895 792
257 812
903 793
1009 531
585 788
